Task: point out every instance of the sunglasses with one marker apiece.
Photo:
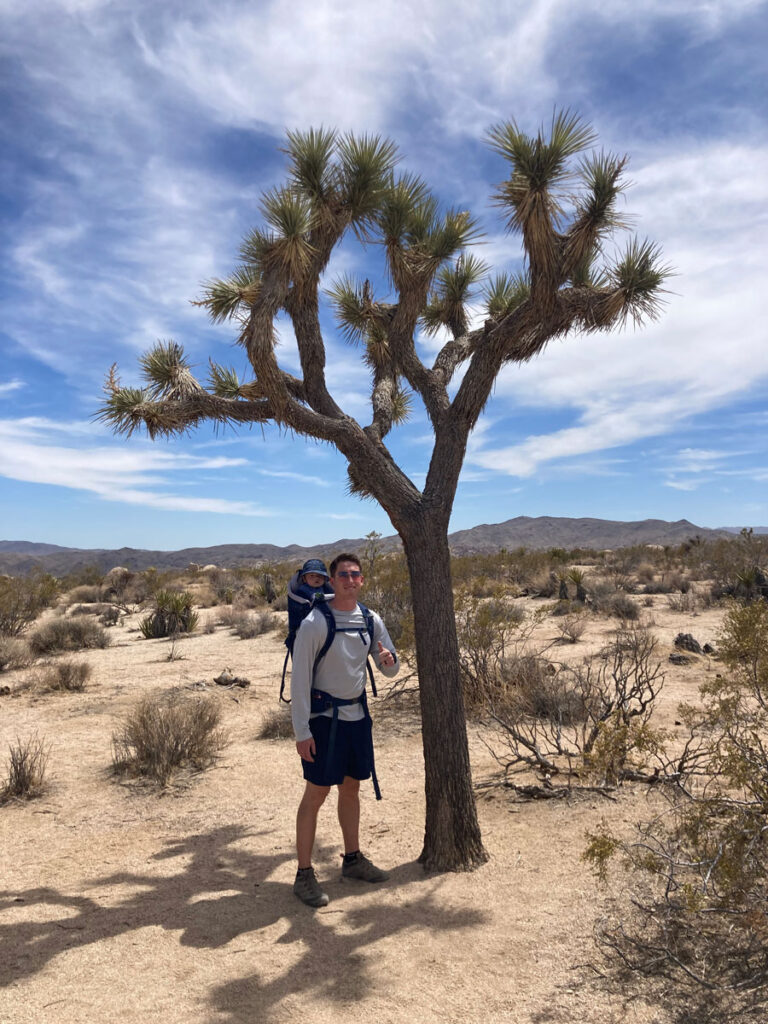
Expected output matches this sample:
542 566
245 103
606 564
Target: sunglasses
353 574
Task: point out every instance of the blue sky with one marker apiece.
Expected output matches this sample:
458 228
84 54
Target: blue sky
137 136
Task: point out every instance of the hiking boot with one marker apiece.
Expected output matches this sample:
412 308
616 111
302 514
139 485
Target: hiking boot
307 888
363 869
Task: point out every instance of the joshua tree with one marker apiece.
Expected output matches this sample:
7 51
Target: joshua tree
564 210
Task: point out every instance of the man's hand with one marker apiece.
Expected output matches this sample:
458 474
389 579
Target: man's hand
385 657
306 749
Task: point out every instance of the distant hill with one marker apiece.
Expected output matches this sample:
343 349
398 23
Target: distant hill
21 557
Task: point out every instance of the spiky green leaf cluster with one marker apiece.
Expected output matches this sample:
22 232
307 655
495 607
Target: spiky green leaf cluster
311 166
227 298
365 164
504 293
638 277
167 372
347 296
223 381
453 291
539 165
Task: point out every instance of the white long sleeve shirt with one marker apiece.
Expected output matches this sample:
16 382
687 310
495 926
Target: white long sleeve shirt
342 671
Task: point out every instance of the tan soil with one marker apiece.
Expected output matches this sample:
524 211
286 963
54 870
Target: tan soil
119 904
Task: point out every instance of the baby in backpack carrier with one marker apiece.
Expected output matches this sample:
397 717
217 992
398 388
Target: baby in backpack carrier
311 582
308 586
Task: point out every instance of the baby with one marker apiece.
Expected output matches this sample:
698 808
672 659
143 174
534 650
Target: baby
308 586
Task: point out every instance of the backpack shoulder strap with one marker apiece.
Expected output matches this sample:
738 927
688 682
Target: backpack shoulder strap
330 621
368 617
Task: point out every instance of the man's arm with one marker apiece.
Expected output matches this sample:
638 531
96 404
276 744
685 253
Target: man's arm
383 650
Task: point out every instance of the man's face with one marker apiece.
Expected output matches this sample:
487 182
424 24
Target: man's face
347 578
314 579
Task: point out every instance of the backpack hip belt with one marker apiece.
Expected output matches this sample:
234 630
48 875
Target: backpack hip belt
322 701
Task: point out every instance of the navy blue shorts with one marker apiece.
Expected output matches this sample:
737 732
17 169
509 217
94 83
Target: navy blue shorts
352 753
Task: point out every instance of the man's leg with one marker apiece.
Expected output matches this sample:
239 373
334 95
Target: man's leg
306 821
349 813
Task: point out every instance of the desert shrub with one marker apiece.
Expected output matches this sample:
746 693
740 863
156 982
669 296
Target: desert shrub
86 593
276 725
582 722
682 602
564 608
98 608
280 604
67 675
165 732
735 567
22 599
110 616
645 572
389 593
532 687
571 627
14 653
248 625
695 876
484 630
89 575
623 607
67 635
173 614
209 626
543 584
27 763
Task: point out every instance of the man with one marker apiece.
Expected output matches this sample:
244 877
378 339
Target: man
331 721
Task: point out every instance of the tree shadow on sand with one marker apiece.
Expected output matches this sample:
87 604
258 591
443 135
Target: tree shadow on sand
332 966
221 892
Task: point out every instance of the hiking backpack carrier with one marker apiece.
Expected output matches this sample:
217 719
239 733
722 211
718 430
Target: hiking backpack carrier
333 629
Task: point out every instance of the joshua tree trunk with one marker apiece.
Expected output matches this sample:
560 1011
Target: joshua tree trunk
452 839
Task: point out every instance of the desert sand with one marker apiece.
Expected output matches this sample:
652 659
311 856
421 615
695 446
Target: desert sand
119 903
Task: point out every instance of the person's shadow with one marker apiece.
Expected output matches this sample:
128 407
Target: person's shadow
221 892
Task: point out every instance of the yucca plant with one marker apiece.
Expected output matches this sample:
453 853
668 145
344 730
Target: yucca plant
173 614
560 197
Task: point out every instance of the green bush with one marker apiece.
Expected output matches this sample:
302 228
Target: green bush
693 878
165 732
173 614
67 635
22 599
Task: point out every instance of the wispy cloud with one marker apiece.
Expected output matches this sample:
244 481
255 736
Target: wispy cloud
9 386
114 473
709 212
286 474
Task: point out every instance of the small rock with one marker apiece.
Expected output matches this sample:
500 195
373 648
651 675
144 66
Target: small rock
679 659
708 649
225 678
686 642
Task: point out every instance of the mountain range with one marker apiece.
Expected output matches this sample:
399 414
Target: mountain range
21 557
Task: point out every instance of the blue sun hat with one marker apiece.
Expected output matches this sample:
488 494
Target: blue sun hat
314 565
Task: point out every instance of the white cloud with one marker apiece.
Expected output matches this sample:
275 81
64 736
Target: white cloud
708 210
302 477
9 386
114 473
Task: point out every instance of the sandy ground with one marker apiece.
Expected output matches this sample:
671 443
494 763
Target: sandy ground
117 903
